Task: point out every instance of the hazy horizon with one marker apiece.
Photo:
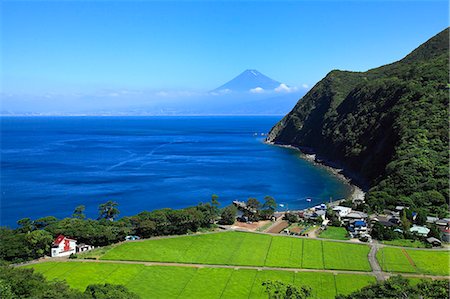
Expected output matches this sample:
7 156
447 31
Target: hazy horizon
165 58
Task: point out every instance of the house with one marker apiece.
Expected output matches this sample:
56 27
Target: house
355 215
83 247
431 219
420 230
401 208
341 211
296 230
443 222
445 231
433 241
63 246
358 228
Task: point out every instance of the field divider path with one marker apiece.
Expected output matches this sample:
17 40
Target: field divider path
134 277
238 247
236 267
253 284
226 285
184 287
323 254
268 250
376 268
410 260
303 249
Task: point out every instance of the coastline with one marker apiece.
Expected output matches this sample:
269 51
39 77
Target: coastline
356 193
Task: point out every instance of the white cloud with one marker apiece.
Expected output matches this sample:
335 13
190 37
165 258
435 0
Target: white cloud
221 92
257 90
305 86
284 88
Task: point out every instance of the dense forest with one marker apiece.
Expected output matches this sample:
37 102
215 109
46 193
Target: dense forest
387 127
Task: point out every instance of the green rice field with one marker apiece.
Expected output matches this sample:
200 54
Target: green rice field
246 249
196 282
335 233
414 261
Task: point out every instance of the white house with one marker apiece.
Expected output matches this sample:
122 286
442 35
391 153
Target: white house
63 246
341 211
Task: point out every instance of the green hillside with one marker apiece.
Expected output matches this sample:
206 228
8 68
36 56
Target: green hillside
387 127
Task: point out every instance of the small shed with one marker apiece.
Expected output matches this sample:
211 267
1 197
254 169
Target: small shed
433 241
420 230
84 247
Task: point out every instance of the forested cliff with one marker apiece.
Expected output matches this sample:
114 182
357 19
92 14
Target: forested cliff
389 126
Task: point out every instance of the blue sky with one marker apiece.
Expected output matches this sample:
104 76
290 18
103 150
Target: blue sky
86 47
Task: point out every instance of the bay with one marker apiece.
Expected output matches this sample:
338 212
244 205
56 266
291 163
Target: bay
49 165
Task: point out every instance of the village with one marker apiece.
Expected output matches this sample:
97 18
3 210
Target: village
353 224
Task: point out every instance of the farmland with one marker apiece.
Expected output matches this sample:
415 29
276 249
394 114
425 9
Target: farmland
414 261
246 249
193 282
335 233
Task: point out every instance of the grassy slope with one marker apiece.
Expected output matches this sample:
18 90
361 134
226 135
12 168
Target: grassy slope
426 262
236 248
185 282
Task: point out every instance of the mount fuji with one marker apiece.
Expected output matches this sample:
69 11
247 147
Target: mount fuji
250 81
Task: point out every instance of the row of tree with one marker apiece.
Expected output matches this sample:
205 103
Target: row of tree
395 287
33 238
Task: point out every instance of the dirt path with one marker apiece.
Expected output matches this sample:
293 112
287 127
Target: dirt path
376 269
411 262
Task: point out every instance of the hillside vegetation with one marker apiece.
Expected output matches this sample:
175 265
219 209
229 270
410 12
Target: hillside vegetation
387 127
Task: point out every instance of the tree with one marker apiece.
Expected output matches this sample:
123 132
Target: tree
280 290
269 203
434 232
108 210
79 212
421 217
109 291
291 217
39 242
399 287
406 224
253 203
26 225
44 222
228 215
23 283
215 200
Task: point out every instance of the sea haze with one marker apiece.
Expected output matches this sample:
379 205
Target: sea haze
49 165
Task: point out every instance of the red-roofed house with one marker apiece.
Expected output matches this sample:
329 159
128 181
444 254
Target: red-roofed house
445 231
63 246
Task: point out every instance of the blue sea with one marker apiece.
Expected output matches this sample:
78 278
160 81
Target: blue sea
50 165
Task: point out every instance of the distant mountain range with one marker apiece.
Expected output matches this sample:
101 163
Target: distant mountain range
249 81
387 126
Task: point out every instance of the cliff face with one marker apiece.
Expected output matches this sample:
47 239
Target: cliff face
389 125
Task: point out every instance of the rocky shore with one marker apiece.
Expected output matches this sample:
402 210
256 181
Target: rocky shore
357 191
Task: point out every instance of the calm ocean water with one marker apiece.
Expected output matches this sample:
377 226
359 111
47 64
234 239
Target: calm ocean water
49 165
